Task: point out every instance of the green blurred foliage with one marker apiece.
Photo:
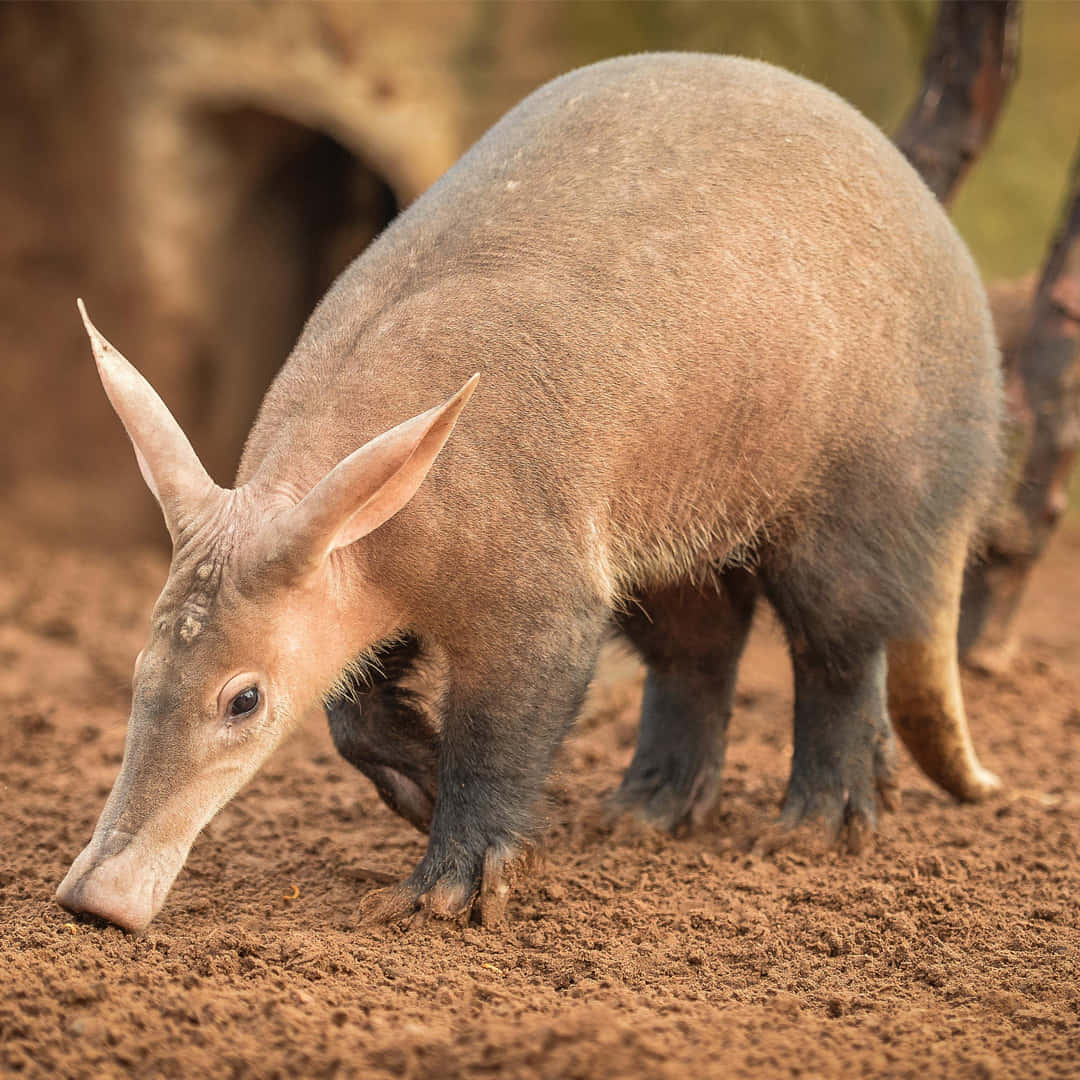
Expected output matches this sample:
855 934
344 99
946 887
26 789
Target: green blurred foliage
869 51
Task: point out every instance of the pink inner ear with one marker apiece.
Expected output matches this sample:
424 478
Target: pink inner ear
416 443
147 475
387 500
371 484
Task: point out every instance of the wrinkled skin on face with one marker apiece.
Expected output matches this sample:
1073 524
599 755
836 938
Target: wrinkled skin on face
256 622
223 678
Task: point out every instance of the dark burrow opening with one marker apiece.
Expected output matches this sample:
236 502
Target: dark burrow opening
294 207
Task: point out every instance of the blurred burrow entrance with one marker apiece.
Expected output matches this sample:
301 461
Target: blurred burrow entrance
280 209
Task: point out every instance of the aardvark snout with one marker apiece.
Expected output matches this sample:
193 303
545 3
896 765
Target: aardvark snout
118 878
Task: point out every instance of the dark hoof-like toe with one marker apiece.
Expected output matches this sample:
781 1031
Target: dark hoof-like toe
503 870
847 817
449 897
390 904
658 800
838 795
405 903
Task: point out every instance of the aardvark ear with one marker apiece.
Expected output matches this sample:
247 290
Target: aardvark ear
167 462
371 485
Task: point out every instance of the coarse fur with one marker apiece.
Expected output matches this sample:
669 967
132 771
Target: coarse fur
729 344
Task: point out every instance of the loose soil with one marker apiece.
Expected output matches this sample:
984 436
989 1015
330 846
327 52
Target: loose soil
952 948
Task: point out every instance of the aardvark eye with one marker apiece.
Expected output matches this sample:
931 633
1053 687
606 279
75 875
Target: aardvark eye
245 702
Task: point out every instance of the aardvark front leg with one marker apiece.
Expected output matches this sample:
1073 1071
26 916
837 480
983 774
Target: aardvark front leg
495 755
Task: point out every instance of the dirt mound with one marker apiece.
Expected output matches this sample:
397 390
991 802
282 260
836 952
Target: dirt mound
951 949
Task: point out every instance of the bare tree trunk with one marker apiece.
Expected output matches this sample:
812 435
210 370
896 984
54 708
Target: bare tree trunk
1042 381
972 64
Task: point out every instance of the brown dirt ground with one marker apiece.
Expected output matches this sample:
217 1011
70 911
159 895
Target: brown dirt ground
950 949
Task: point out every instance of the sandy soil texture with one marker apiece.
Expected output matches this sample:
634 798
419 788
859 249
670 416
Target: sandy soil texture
952 949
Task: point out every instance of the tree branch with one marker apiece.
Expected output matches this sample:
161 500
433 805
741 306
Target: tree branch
972 64
1042 379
